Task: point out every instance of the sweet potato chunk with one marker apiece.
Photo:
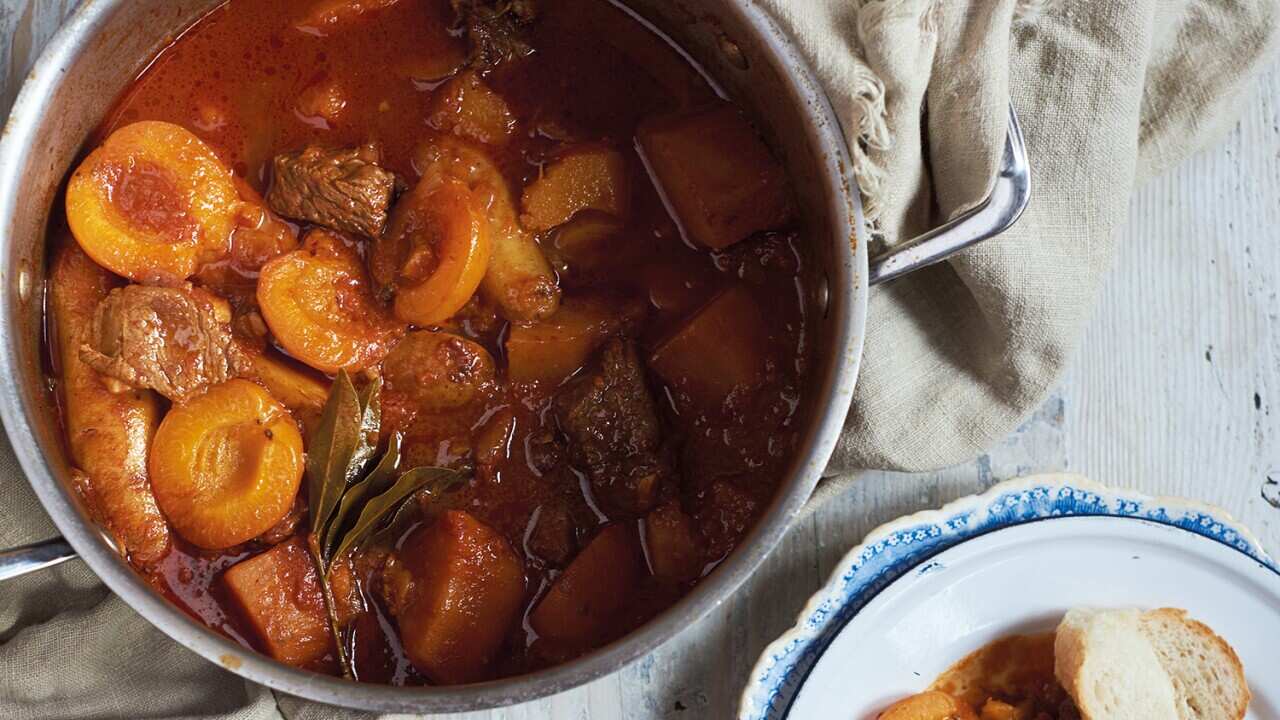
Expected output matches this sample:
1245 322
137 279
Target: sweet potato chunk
552 350
519 280
152 203
320 306
226 465
110 433
278 593
440 371
591 177
466 592
435 252
674 546
718 351
582 603
466 106
717 175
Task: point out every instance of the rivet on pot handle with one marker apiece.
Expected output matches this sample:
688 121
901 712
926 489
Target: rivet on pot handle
29 558
997 213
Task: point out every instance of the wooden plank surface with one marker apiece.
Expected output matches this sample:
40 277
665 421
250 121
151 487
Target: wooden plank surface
1175 390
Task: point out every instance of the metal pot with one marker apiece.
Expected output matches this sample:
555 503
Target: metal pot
102 48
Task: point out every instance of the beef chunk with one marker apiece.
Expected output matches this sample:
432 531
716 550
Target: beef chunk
344 189
612 425
496 29
176 341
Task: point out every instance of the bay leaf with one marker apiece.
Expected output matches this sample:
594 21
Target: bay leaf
329 452
375 483
370 397
377 509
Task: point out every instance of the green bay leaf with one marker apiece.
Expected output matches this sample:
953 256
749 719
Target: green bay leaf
375 483
434 480
330 450
370 397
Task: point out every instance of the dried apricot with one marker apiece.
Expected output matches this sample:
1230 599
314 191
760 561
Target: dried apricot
321 309
153 203
226 465
435 251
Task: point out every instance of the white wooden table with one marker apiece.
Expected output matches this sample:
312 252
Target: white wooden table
1175 390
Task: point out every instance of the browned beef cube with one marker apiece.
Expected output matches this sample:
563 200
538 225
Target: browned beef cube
344 189
176 341
614 436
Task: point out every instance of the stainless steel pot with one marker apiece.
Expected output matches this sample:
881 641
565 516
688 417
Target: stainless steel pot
106 43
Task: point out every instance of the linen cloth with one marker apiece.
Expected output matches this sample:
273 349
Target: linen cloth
1109 92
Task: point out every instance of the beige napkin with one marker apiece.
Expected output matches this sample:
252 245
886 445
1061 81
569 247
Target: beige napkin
1109 92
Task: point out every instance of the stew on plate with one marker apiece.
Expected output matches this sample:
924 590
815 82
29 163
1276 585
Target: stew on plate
427 341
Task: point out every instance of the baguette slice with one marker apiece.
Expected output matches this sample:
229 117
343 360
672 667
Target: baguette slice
1132 665
1208 678
1106 663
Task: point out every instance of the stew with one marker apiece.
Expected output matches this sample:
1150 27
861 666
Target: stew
427 341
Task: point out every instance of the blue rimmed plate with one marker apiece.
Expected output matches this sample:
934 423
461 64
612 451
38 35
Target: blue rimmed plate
925 590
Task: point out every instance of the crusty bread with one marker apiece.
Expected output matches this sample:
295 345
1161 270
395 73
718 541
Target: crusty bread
1107 665
1208 679
1157 665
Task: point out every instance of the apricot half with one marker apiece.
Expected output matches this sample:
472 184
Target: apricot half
518 279
152 203
226 465
321 309
435 251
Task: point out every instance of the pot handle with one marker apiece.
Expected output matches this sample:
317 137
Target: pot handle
29 558
995 214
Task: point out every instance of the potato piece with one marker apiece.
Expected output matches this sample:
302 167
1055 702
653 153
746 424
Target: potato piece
435 251
931 705
440 371
719 350
673 544
152 203
466 106
322 103
278 593
717 175
584 600
467 589
226 465
297 389
109 433
318 304
591 177
329 16
519 280
554 349
586 235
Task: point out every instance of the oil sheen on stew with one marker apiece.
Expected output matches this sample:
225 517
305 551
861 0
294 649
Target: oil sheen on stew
569 266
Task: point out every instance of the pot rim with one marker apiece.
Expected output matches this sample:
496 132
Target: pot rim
846 298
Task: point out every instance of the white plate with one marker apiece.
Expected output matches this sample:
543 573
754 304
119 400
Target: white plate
924 591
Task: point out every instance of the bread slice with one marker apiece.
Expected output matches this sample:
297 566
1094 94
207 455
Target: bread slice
1157 665
1208 678
1106 663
